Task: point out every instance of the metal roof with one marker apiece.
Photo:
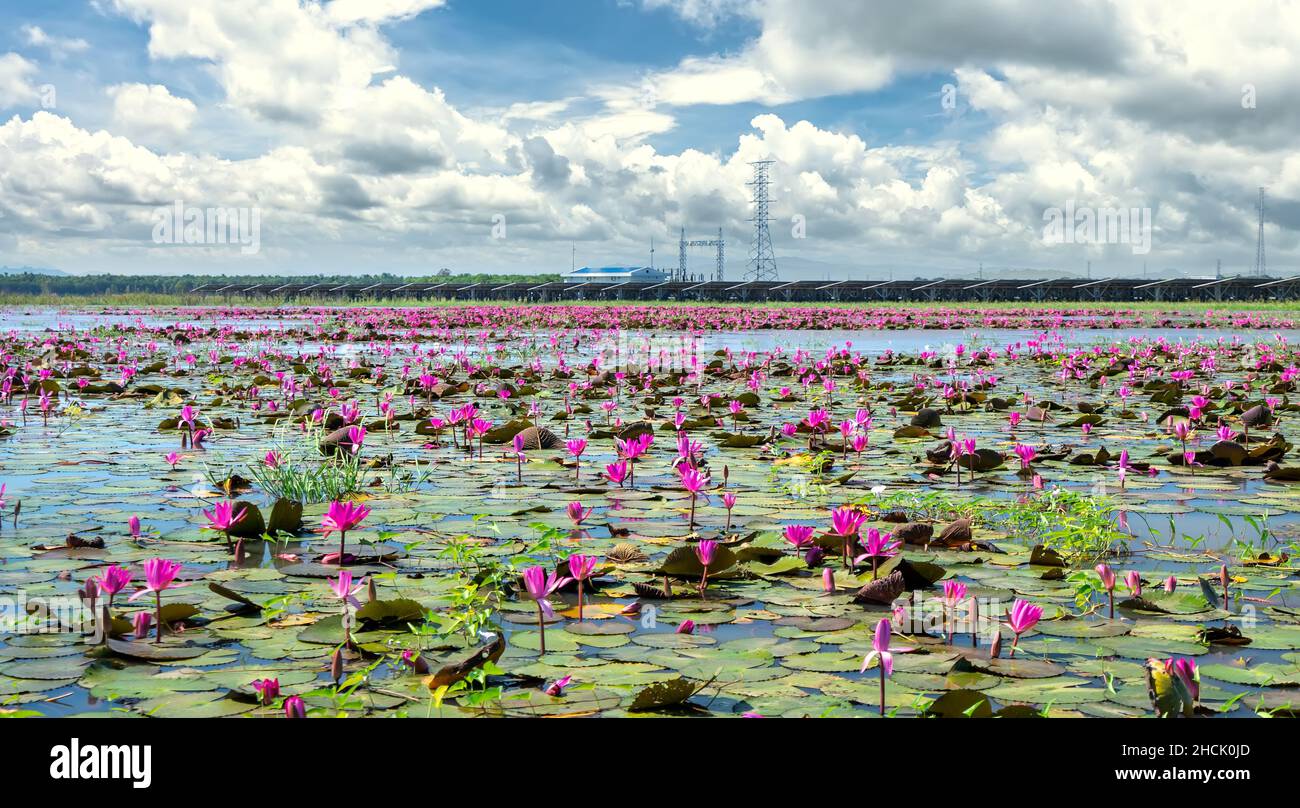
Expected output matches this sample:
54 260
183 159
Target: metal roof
610 270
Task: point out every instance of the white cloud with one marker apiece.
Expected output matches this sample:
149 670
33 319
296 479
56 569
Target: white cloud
150 112
1108 104
705 13
15 81
378 11
58 46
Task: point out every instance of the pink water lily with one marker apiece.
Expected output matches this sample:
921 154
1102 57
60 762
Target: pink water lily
1026 453
576 446
577 513
295 707
1022 617
223 517
1107 576
342 517
556 688
880 651
1134 582
694 482
877 546
159 575
539 585
1186 676
846 521
728 502
267 689
345 590
705 552
356 438
108 583
517 443
616 472
580 569
799 535
953 593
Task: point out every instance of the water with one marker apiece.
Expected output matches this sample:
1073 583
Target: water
85 472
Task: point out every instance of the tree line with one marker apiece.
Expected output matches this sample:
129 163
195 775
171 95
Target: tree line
36 285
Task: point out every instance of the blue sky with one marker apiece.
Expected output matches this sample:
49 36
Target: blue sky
390 134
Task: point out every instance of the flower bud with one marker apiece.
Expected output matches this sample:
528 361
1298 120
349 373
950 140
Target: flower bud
294 707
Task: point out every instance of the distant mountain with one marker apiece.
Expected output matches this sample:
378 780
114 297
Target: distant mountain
32 271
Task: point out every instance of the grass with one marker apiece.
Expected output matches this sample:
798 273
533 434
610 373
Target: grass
1082 527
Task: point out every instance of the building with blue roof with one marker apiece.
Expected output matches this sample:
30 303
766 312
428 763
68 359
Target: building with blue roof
615 275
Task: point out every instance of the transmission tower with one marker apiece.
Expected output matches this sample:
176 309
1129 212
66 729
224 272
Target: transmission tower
762 261
682 244
1260 268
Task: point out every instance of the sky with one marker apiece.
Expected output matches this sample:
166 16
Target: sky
405 136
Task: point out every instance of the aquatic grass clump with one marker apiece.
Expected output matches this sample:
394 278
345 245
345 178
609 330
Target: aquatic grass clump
1079 525
300 474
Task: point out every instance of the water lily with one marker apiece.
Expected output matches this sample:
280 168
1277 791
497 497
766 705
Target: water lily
616 472
846 521
342 517
953 593
576 446
1134 582
539 585
880 651
556 688
580 569
295 707
222 517
577 513
877 546
1026 453
705 551
159 575
112 580
346 591
728 502
267 689
517 442
1022 617
799 535
694 482
1107 576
